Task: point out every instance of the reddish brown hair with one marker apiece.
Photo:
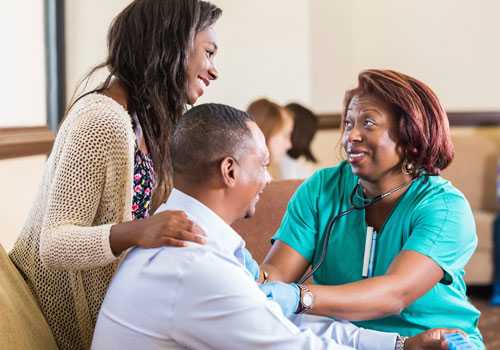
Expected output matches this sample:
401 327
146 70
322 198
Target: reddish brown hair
424 132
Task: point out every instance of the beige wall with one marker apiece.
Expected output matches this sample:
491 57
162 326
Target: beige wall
265 51
312 51
86 28
22 68
22 91
264 48
20 179
326 148
451 45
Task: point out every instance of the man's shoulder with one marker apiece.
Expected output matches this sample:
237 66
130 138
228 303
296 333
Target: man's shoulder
196 269
168 261
144 275
161 257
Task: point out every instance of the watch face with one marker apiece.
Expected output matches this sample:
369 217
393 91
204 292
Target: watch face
307 299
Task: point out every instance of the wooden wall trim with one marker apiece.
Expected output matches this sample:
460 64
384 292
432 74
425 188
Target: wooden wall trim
474 118
28 141
457 119
329 121
25 141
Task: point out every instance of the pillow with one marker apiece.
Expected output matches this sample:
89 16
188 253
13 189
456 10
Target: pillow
22 325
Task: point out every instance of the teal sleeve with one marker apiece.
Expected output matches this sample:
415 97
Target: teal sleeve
443 229
299 227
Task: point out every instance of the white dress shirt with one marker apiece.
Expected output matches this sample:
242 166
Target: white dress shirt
202 297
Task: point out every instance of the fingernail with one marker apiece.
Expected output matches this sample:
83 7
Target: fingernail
201 239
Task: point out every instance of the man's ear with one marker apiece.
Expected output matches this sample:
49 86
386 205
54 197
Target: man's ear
229 171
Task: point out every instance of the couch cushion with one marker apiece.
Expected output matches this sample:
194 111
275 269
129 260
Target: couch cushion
22 325
258 230
484 228
479 270
473 170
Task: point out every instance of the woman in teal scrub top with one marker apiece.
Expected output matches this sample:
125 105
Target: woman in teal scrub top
407 276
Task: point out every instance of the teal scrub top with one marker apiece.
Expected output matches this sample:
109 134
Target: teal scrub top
432 218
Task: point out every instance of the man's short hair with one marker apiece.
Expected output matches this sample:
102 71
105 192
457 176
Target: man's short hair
204 136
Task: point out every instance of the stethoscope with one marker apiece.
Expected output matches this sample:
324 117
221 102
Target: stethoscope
367 202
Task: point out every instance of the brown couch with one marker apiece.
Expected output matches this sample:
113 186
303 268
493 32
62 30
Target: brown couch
22 325
258 230
473 171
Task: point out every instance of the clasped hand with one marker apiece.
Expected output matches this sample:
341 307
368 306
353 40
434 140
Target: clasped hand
286 295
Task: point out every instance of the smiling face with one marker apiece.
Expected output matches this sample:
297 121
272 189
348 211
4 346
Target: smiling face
253 174
369 139
201 68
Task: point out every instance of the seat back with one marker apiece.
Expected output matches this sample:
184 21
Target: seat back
473 169
22 325
258 230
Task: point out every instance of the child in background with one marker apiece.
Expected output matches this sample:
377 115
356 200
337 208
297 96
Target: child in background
276 125
299 161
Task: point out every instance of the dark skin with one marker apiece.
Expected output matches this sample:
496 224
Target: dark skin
369 141
377 214
172 228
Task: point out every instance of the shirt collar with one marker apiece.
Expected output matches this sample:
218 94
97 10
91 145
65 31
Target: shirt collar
220 235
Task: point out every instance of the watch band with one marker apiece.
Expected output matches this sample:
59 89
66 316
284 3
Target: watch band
400 342
305 292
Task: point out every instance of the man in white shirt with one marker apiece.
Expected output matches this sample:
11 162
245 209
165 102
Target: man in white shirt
202 296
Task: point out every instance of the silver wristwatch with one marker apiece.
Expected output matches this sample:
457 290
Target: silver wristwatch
306 300
400 342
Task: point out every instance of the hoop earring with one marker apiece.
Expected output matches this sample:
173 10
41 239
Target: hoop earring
407 167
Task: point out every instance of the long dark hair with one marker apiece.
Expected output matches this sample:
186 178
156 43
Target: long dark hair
304 128
148 45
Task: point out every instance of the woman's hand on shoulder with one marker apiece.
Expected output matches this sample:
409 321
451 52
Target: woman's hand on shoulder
167 228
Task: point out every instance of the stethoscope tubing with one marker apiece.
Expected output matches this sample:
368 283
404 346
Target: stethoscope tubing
329 227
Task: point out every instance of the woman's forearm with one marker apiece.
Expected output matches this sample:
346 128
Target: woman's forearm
273 273
409 276
75 247
367 299
122 237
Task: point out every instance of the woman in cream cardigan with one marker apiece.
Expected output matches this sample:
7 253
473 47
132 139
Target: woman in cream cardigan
109 165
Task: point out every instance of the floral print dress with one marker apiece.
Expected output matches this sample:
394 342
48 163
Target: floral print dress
144 179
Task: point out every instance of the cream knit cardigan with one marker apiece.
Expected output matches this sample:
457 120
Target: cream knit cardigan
64 250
